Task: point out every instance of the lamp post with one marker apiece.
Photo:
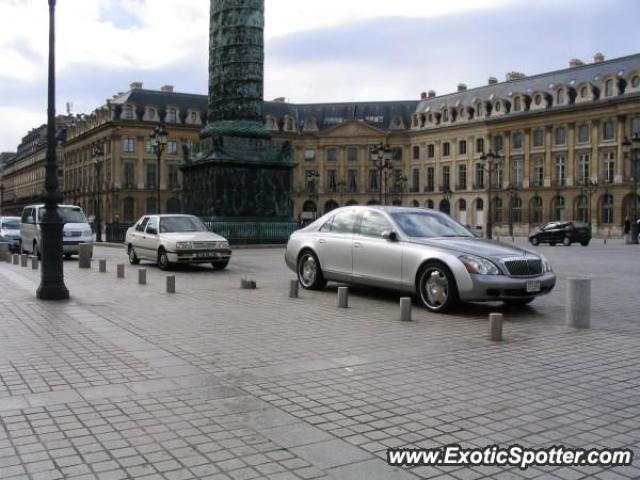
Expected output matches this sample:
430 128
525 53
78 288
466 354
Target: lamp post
381 158
633 148
158 142
98 157
513 190
489 161
590 187
52 285
1 198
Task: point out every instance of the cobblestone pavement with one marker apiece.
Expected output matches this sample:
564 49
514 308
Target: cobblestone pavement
215 382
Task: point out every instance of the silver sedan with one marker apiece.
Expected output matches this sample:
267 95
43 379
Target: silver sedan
423 252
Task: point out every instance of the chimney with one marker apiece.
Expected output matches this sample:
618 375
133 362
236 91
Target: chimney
164 88
431 93
575 62
515 76
598 58
462 87
135 85
423 95
492 80
279 100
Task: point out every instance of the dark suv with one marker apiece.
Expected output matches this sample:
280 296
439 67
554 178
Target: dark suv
562 232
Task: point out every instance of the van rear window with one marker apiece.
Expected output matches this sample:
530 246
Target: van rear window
68 214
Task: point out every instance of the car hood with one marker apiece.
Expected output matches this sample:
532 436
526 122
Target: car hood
193 237
474 246
10 232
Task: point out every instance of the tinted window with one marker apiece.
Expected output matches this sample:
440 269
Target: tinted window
142 224
11 224
181 224
67 214
373 224
326 227
426 224
153 223
343 222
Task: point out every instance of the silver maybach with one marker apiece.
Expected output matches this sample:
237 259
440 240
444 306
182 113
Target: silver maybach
423 252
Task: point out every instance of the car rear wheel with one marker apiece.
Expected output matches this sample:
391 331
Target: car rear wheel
585 244
309 271
566 241
220 264
163 260
133 258
535 242
437 287
519 302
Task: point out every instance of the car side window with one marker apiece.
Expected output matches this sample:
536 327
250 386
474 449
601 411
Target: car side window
344 222
326 226
26 213
152 224
142 224
373 224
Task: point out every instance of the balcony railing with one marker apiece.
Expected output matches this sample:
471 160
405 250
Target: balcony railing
559 182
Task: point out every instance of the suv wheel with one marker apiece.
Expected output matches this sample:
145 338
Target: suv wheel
535 242
566 241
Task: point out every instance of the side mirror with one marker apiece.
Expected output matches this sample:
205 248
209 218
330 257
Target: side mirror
152 231
390 235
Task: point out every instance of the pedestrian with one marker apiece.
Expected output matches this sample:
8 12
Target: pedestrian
626 230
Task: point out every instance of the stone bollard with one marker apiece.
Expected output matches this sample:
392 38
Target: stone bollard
343 297
34 263
120 270
16 259
405 309
102 265
578 302
293 288
171 284
142 276
495 327
84 256
24 258
4 251
248 284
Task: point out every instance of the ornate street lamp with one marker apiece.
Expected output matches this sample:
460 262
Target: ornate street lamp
381 156
98 157
158 142
588 186
489 162
632 147
52 285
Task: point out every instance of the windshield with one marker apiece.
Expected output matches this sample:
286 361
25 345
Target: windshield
12 224
68 214
181 224
428 225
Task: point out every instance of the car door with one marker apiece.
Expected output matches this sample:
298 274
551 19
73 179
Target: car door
547 232
149 240
376 260
334 244
136 235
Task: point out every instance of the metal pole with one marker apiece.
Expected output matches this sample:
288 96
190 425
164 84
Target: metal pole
159 154
52 285
380 180
489 219
633 231
98 218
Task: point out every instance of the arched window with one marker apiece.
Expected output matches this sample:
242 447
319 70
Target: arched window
330 205
479 109
536 210
497 210
584 91
582 208
150 205
173 205
128 210
309 206
415 203
462 205
517 104
607 209
497 106
430 204
352 202
516 210
557 208
479 205
608 88
560 97
445 115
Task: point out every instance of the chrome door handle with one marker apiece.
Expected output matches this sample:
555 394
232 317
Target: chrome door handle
322 240
357 244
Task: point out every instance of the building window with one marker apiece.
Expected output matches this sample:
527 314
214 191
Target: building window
608 131
332 180
479 205
128 210
352 154
517 140
416 152
431 179
583 133
537 99
479 176
516 171
583 167
557 209
609 167
479 145
151 206
148 147
445 115
446 147
462 147
582 209
128 112
635 81
479 109
430 204
309 155
352 179
584 92
172 115
497 106
172 147
462 205
446 177
538 137
129 178
415 180
373 181
635 126
151 114
561 136
560 97
560 170
462 177
608 88
498 178
497 143
516 210
538 172
607 209
431 150
172 174
128 145
332 154
497 210
151 176
194 117
536 210
517 104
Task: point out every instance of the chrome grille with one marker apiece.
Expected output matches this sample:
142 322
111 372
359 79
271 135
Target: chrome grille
524 267
205 245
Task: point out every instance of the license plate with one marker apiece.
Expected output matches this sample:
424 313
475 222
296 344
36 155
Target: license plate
533 286
204 254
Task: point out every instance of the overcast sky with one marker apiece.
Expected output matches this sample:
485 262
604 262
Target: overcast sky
316 51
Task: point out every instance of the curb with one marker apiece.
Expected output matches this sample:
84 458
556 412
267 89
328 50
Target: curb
233 247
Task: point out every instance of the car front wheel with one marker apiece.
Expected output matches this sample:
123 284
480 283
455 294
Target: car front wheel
437 287
585 244
163 260
309 271
535 242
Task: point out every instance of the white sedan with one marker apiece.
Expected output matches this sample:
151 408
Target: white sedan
173 239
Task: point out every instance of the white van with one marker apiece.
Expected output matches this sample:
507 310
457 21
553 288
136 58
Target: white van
76 229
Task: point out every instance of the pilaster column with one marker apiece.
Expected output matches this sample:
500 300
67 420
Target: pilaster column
548 139
618 172
595 140
571 154
527 158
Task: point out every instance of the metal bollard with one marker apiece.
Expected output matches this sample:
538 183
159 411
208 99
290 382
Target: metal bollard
16 259
24 258
120 269
142 276
4 251
293 288
84 255
343 297
248 283
34 263
578 302
171 284
405 309
495 327
102 265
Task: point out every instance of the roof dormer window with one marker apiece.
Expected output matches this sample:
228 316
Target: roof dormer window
560 97
537 99
445 115
172 115
517 104
635 81
608 88
479 109
128 112
497 106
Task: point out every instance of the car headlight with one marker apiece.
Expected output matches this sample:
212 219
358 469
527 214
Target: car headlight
223 245
183 245
479 265
546 265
